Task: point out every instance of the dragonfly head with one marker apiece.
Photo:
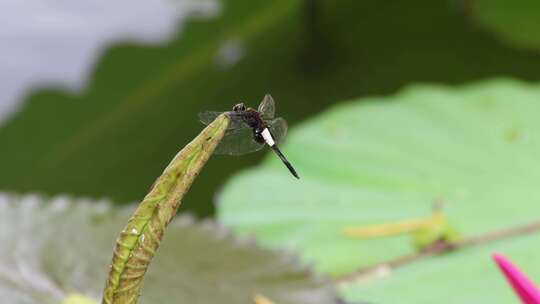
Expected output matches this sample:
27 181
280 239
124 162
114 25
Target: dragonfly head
239 107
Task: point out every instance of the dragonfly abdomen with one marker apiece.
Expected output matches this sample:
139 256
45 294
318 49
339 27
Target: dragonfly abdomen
268 138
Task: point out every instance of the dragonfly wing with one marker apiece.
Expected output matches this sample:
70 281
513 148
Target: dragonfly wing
209 116
267 107
238 142
278 128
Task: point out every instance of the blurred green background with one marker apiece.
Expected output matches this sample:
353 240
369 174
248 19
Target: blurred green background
141 103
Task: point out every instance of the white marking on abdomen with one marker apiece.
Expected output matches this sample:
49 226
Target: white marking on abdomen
268 137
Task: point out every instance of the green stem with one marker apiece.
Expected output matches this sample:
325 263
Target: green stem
141 237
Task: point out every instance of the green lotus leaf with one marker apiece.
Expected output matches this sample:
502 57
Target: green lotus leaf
466 276
58 250
385 159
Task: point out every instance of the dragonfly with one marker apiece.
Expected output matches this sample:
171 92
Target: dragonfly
250 130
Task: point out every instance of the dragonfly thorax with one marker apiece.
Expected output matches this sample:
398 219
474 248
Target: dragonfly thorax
253 119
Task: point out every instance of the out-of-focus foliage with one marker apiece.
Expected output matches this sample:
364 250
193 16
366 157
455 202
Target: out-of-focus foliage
466 276
379 160
424 232
78 299
516 22
142 102
54 249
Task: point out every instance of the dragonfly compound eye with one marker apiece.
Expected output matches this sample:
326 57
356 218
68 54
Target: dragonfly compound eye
239 107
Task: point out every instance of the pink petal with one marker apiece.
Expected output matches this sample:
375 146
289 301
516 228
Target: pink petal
524 288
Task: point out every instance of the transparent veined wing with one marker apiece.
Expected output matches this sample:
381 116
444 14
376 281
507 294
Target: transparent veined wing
267 108
278 127
238 142
209 116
